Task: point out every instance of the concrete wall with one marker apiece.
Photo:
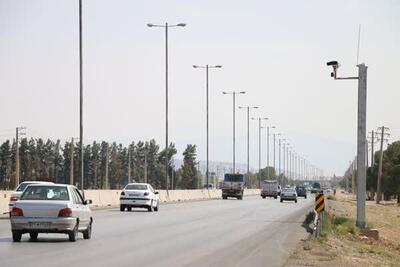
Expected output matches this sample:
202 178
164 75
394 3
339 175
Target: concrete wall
108 198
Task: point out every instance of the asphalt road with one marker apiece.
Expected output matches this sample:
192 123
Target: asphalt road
251 232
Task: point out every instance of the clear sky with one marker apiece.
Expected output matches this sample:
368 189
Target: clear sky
276 51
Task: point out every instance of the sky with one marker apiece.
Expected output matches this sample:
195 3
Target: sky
275 51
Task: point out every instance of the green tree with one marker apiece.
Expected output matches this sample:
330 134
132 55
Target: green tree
188 175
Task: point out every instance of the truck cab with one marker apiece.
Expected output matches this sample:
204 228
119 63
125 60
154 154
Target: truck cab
233 186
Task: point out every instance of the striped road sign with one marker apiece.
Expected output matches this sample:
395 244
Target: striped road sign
319 202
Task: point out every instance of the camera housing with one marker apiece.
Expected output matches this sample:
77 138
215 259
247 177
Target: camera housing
335 66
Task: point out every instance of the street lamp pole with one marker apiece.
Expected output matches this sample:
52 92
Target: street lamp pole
166 26
234 93
80 97
259 147
207 67
248 135
361 135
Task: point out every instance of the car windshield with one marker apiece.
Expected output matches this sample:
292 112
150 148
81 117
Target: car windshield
234 178
22 187
288 191
45 193
136 187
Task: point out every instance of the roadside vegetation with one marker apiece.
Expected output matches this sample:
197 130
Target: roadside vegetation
343 244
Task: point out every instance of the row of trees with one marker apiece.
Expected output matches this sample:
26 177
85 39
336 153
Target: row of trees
390 182
106 165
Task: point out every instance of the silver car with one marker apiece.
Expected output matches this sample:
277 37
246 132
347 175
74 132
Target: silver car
18 192
52 208
289 194
139 195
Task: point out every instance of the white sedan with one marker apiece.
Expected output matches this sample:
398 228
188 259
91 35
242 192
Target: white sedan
51 208
139 195
18 192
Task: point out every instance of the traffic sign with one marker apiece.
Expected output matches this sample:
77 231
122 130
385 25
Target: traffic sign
319 202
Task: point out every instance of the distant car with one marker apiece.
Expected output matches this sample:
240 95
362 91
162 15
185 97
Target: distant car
301 191
270 188
139 195
289 194
51 208
18 192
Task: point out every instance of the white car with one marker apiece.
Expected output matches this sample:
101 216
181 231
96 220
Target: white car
139 195
18 192
51 208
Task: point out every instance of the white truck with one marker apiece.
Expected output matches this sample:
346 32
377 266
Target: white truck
270 188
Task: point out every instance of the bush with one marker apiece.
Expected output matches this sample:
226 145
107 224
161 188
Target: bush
310 217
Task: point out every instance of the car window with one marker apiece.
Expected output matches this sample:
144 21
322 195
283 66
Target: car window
151 188
76 198
136 187
45 193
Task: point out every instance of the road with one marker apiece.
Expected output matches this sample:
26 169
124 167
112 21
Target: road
251 232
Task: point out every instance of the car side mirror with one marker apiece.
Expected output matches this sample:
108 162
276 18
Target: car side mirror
88 202
156 193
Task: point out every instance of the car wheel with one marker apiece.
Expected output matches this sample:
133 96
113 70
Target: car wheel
224 197
16 235
276 197
72 235
129 208
150 208
263 197
156 208
281 200
87 234
33 236
305 196
122 207
295 201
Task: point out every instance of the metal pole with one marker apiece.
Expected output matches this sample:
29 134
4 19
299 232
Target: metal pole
207 125
166 109
81 96
259 152
274 156
361 125
279 160
372 149
248 141
268 152
234 121
17 171
71 165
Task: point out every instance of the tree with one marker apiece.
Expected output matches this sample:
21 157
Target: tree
188 176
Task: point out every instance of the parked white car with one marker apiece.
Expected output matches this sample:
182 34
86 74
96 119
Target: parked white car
18 192
51 208
139 195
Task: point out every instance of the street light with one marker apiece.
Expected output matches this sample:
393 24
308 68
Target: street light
361 135
259 147
234 93
207 67
268 127
275 135
248 135
166 26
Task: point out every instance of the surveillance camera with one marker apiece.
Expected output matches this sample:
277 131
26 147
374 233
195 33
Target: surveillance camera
332 63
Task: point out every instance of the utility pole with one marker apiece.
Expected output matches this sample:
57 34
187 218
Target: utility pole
353 176
380 168
234 93
80 97
372 148
129 165
361 135
207 67
248 137
279 156
105 185
17 167
71 165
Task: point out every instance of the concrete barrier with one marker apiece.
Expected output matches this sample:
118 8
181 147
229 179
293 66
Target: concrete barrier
4 200
110 198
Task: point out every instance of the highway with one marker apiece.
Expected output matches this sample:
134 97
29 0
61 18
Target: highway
251 232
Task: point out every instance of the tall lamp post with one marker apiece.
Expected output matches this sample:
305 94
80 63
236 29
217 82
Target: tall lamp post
207 67
268 127
361 135
166 26
234 93
248 135
275 135
259 147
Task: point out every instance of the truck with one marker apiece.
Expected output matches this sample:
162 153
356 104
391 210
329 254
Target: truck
233 186
270 188
316 188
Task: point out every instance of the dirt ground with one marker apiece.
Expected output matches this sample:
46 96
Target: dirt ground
346 246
